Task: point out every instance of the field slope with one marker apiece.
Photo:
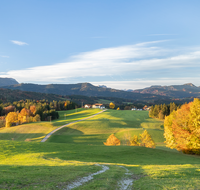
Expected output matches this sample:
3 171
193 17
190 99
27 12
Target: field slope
73 152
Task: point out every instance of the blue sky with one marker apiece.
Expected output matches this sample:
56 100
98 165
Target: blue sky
122 44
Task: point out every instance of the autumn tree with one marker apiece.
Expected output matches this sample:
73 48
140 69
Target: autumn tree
118 108
135 141
112 105
11 118
182 128
112 141
146 140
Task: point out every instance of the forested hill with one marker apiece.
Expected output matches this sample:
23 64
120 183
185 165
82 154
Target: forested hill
7 95
85 89
7 81
173 91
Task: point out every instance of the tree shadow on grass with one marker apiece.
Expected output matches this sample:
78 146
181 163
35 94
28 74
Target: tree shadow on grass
22 136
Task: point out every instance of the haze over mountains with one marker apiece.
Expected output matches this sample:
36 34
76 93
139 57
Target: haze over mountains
86 89
175 91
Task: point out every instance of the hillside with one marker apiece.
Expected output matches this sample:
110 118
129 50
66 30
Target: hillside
7 81
85 89
7 95
173 91
77 151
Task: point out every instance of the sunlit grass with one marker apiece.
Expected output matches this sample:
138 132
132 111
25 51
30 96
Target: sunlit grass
37 131
122 123
34 165
29 165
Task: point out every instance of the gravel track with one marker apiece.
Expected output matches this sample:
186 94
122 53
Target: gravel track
48 135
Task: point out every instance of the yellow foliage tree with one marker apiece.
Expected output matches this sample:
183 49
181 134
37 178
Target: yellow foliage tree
36 118
118 108
135 141
112 141
11 118
112 105
146 140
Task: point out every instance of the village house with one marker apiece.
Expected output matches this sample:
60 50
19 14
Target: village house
101 106
87 106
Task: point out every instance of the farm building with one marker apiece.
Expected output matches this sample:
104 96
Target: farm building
87 106
101 106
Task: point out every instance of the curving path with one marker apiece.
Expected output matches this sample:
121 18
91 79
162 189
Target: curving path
124 184
83 180
48 135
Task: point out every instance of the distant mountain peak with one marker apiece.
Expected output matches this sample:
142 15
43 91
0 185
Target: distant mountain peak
102 86
7 81
190 84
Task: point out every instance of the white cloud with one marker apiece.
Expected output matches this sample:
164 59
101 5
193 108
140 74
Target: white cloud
18 42
138 58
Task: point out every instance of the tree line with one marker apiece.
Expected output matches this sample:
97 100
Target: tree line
32 110
162 110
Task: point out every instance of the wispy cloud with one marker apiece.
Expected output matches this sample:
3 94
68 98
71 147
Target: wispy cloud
137 59
162 34
18 42
98 37
4 56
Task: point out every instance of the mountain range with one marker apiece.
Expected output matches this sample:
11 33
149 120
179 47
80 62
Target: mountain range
172 91
150 94
85 89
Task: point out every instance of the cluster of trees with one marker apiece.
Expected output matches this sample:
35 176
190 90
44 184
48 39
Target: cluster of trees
182 128
145 140
32 110
25 116
162 110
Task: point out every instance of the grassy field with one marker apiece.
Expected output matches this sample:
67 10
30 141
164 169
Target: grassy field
122 123
53 165
37 131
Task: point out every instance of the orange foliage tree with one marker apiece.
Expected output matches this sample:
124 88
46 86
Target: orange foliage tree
182 128
112 141
24 115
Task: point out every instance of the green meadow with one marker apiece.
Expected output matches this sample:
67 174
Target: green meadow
73 152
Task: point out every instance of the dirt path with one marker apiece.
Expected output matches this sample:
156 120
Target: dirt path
83 180
48 135
127 181
124 184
